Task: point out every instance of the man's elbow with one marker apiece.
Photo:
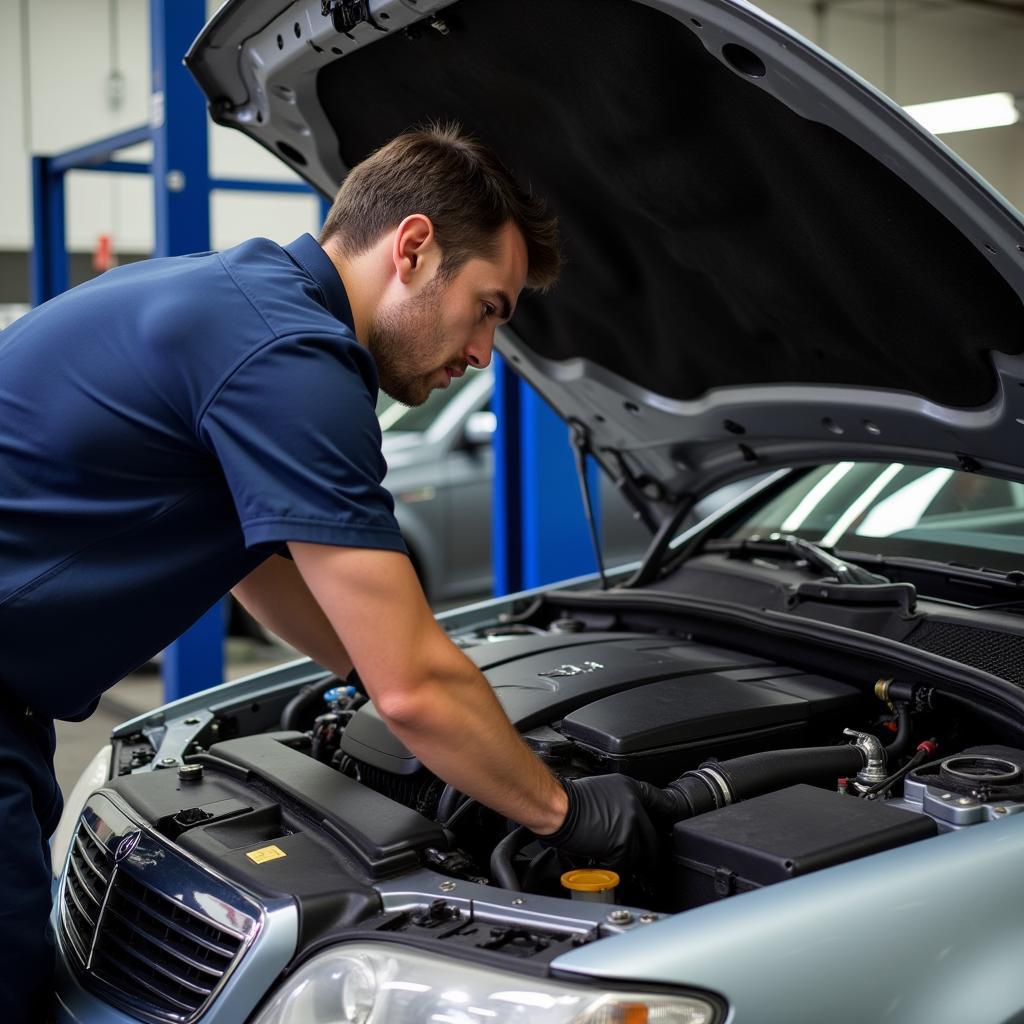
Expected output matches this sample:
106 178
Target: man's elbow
414 694
405 704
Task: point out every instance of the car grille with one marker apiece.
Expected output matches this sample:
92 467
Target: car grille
135 946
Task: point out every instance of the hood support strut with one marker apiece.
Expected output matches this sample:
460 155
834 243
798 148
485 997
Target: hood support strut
659 545
579 438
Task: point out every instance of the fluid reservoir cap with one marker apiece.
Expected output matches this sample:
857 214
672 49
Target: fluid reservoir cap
590 880
337 692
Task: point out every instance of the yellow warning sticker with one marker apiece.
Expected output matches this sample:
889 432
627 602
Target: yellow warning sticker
265 853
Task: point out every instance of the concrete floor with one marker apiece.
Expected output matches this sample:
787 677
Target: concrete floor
142 691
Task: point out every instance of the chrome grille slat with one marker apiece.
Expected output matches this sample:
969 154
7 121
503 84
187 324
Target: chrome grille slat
79 946
206 968
93 867
158 956
177 926
175 1004
79 907
96 842
199 990
97 900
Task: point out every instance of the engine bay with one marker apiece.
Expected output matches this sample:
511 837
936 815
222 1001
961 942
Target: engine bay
773 771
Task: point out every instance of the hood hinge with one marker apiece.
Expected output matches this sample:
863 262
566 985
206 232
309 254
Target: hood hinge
629 487
346 14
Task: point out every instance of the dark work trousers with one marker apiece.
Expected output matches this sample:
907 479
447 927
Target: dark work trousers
30 806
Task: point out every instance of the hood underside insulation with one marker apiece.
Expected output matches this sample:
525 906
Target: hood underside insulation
713 236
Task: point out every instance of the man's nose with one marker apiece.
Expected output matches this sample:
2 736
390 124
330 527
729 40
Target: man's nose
478 353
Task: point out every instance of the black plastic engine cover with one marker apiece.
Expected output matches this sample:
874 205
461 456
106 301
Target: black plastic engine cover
723 714
538 682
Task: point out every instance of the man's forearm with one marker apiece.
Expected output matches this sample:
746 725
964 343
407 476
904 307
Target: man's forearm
456 726
430 694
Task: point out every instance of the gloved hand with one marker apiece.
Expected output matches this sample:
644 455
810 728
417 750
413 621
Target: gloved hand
607 821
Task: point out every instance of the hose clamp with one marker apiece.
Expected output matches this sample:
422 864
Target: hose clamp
874 770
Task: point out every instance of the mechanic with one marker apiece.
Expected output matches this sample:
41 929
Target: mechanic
180 427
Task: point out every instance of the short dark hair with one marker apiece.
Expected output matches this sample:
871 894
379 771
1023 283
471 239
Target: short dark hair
456 181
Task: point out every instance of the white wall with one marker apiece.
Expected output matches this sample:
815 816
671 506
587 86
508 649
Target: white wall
935 51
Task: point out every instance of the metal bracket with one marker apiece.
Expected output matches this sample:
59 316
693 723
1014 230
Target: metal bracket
346 14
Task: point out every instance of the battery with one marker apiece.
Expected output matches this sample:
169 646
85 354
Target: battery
782 835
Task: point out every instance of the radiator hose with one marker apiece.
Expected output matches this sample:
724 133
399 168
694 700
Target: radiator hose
720 783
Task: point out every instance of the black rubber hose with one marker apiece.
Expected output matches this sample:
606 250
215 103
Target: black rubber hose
902 739
460 812
502 871
309 698
448 803
717 783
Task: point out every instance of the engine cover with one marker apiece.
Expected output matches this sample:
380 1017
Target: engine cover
655 730
544 679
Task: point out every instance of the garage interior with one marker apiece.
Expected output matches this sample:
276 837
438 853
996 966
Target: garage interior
77 76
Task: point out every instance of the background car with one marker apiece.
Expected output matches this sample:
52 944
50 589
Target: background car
441 473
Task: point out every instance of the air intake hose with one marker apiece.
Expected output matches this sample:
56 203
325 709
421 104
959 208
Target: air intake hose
720 783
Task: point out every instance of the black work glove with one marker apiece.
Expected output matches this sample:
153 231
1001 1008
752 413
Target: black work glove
607 822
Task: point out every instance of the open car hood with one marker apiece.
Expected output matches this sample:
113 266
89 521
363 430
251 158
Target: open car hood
768 262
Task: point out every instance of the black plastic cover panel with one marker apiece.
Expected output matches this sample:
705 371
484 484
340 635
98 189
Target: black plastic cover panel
541 685
784 834
382 834
233 819
684 709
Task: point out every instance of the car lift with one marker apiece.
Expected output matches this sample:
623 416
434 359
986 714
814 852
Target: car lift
539 531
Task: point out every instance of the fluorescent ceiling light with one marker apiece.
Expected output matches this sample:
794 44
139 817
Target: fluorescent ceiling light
966 114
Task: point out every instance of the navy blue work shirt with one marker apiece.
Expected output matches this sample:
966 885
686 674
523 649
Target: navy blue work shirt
164 428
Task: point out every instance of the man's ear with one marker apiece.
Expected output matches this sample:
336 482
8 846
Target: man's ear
414 249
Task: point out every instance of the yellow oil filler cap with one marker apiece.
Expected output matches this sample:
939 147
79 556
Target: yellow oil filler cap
594 884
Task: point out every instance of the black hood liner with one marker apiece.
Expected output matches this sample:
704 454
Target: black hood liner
713 236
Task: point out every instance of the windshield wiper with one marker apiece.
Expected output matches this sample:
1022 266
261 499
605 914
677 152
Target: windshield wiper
803 550
843 571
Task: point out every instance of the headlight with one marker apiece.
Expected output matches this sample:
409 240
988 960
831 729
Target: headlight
378 983
97 772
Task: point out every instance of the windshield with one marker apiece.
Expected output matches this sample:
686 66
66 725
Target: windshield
894 509
396 417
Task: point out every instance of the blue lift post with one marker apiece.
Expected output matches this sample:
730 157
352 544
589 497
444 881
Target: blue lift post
181 197
181 189
539 530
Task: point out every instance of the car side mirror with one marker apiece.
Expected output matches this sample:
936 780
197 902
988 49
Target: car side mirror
480 429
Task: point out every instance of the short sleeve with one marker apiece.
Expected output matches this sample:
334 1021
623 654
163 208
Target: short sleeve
296 435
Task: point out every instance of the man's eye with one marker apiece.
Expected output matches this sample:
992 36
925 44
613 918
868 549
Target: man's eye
489 310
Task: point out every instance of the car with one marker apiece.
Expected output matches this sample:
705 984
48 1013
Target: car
771 270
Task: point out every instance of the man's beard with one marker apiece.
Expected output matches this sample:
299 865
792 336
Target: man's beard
407 343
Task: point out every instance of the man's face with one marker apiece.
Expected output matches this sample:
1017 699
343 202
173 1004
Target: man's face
421 342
